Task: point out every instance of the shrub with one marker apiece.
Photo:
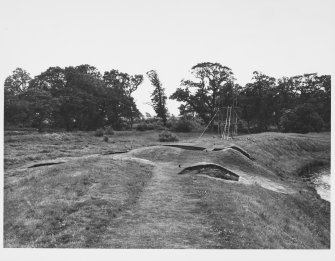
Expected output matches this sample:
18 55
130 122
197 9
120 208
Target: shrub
159 126
105 138
141 127
145 126
109 130
99 133
182 125
168 124
167 136
150 126
301 119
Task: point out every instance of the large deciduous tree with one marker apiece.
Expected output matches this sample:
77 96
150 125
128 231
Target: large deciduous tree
81 98
18 82
120 87
212 84
16 108
158 97
258 100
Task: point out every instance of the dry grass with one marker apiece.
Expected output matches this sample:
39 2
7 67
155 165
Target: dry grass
20 149
23 147
71 205
120 201
253 217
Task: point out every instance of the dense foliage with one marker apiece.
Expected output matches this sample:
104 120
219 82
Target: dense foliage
82 98
182 125
71 98
262 103
166 136
301 119
213 84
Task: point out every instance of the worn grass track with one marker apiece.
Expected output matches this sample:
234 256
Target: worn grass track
138 200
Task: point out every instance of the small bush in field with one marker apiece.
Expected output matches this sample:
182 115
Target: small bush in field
167 136
105 138
99 133
109 130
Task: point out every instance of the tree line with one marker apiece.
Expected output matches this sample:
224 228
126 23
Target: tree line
71 98
299 104
82 98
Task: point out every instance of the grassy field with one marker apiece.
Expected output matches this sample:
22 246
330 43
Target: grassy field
28 147
138 199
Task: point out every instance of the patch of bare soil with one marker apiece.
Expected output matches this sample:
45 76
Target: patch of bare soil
45 164
212 170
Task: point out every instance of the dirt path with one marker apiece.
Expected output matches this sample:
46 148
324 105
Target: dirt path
165 216
169 212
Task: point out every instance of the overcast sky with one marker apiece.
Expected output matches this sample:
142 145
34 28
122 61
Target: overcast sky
279 38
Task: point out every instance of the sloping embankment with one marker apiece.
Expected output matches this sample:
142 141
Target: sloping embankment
287 154
138 200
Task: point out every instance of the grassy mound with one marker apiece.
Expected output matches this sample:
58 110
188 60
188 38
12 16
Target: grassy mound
287 153
254 217
70 205
157 153
138 200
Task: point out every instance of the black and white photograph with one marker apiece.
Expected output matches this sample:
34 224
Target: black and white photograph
166 125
